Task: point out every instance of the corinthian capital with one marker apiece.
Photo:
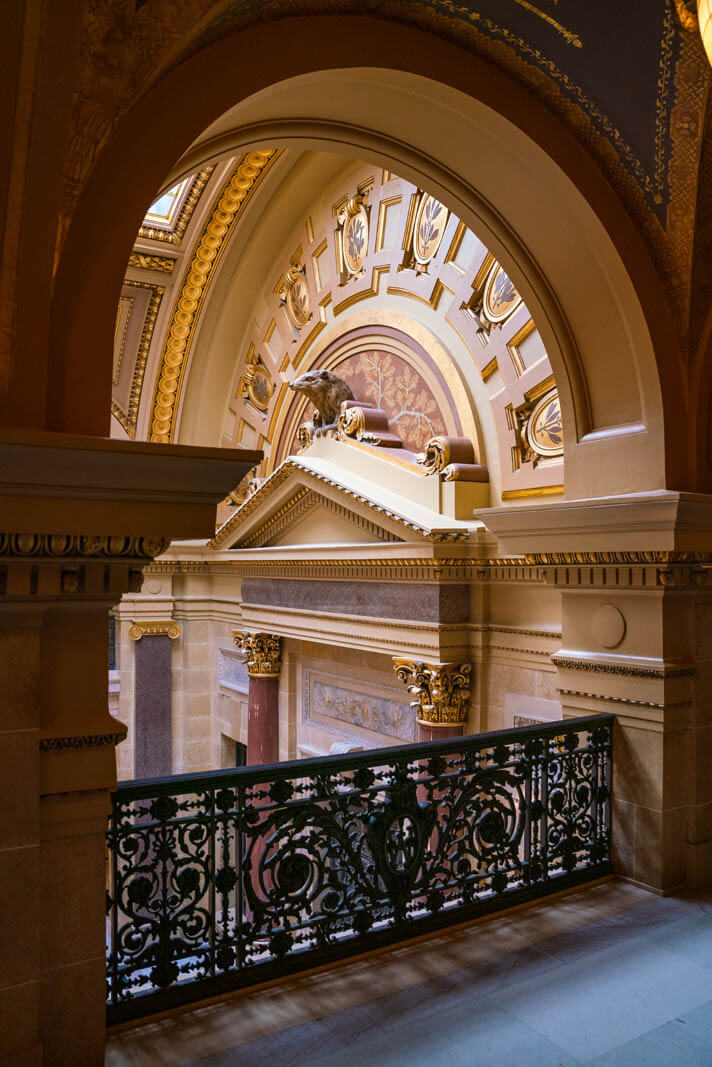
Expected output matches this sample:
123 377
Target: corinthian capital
263 653
442 690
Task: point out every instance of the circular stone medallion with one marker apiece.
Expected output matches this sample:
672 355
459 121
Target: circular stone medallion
298 302
608 626
356 240
429 228
544 429
261 389
500 296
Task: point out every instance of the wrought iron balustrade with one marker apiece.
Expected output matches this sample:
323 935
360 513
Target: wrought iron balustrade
234 877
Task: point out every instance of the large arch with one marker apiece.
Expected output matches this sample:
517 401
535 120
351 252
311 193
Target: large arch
483 144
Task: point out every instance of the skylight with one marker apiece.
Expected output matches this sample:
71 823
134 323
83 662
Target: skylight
163 211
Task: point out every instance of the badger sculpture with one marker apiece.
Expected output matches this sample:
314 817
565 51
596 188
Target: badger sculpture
326 392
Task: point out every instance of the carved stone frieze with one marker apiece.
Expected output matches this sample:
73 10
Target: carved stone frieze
264 653
442 690
60 744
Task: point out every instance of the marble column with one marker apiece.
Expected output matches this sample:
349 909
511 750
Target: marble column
442 692
264 665
152 697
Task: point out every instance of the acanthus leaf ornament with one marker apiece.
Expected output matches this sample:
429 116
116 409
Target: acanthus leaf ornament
263 651
442 690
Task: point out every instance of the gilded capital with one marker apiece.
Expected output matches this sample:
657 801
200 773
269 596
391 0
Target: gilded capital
264 653
154 628
442 690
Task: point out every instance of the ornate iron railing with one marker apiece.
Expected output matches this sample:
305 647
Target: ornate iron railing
225 879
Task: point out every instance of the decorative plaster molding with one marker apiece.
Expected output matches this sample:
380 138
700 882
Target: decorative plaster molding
612 700
146 261
60 744
291 466
228 208
391 569
577 559
625 669
442 690
128 420
83 546
523 651
154 628
264 653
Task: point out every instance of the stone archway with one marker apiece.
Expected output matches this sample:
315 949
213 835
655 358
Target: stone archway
499 158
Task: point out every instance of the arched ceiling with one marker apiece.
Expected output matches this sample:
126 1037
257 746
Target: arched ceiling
277 261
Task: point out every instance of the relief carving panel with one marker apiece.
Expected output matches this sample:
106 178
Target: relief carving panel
328 700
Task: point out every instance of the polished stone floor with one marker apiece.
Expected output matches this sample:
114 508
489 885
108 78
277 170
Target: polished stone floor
607 975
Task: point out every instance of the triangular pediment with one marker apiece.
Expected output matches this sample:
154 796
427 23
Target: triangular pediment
309 501
317 520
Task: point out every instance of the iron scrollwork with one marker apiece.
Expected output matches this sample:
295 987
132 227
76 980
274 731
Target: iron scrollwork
239 875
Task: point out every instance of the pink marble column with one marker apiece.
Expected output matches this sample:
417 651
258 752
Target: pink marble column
263 720
264 665
437 733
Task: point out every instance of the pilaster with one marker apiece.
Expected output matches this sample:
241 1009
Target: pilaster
81 517
633 575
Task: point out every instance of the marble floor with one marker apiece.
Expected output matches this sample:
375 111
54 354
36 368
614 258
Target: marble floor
606 975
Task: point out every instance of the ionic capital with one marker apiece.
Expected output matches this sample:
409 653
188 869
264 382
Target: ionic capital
153 628
264 659
442 690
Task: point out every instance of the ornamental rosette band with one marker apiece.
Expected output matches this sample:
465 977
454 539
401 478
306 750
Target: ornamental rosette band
264 653
442 690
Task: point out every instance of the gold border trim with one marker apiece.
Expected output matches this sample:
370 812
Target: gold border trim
129 420
229 206
542 490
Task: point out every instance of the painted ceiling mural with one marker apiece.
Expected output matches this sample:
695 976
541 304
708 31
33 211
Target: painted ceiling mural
387 381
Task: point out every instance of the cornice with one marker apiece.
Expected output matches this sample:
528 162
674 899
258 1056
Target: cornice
624 669
614 700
